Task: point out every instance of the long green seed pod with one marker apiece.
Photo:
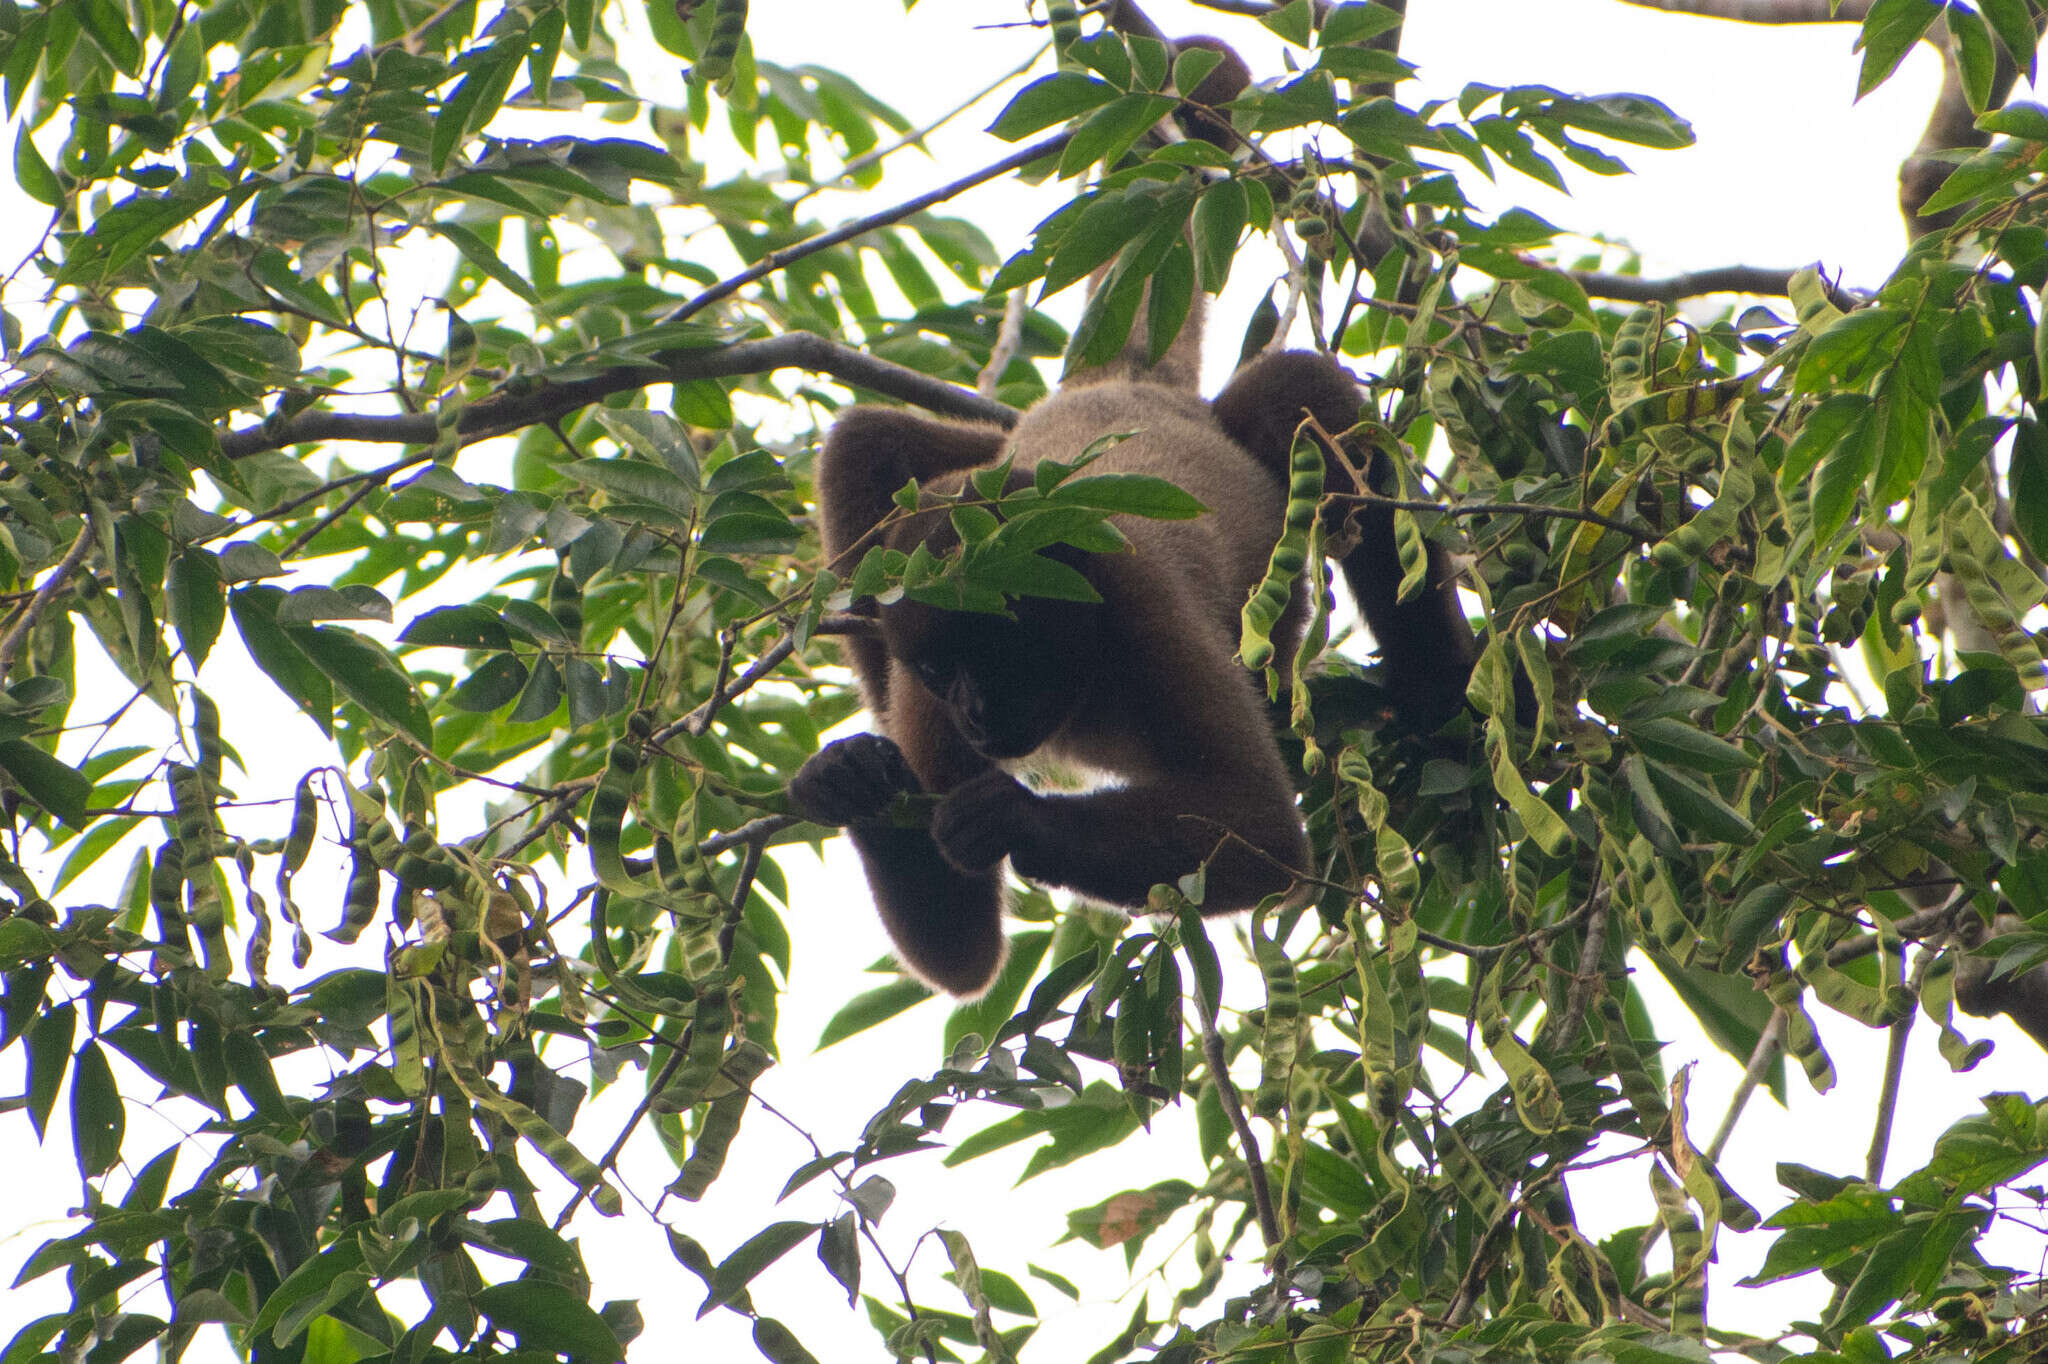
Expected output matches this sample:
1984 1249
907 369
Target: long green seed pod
1263 608
1628 363
1716 521
608 806
728 26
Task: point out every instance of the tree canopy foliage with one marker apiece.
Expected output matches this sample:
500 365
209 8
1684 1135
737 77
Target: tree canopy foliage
539 565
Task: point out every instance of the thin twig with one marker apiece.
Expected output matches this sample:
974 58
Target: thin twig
1895 1065
1591 975
1760 1058
754 831
1233 1105
698 722
348 504
18 633
846 232
1008 340
916 137
1637 533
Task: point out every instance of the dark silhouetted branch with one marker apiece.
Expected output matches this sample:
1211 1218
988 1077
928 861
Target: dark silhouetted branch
550 402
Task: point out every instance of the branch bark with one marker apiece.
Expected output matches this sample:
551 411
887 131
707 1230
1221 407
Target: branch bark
1765 11
1722 279
551 402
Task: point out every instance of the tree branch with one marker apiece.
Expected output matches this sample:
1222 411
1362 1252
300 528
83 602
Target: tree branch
1951 126
551 401
1256 9
845 232
1765 11
1640 534
17 634
1722 279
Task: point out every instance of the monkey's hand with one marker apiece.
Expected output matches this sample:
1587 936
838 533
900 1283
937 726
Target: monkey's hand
982 821
851 781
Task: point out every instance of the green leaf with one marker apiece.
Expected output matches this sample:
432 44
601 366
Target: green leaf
547 1316
55 786
106 22
33 173
748 533
1849 348
1697 808
458 627
479 253
1635 119
1687 747
1219 220
2030 485
1294 21
1842 476
2014 25
1976 59
759 1251
22 941
97 1118
778 1344
49 1056
633 479
1993 169
1110 131
873 1007
494 683
367 676
1357 23
1135 494
1049 100
281 659
197 600
1889 32
314 1281
1819 434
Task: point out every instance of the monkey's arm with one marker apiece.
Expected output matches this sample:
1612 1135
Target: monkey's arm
1425 641
1201 779
946 924
1115 845
873 451
870 453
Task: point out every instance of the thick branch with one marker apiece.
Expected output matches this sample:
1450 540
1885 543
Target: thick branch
1255 9
551 402
1951 126
1765 11
18 634
1722 279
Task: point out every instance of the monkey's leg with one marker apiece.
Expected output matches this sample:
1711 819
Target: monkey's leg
1426 642
947 924
946 921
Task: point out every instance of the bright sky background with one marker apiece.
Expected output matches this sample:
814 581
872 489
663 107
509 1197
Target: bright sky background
1787 171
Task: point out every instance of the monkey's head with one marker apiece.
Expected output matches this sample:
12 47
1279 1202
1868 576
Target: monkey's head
1008 683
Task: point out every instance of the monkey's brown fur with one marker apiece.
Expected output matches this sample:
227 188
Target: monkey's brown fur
1142 686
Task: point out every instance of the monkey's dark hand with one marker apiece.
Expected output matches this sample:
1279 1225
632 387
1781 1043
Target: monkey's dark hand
851 780
980 822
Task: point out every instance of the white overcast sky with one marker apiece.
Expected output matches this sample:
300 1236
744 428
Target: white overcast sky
1787 171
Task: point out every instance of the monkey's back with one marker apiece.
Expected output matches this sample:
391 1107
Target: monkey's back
1216 557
